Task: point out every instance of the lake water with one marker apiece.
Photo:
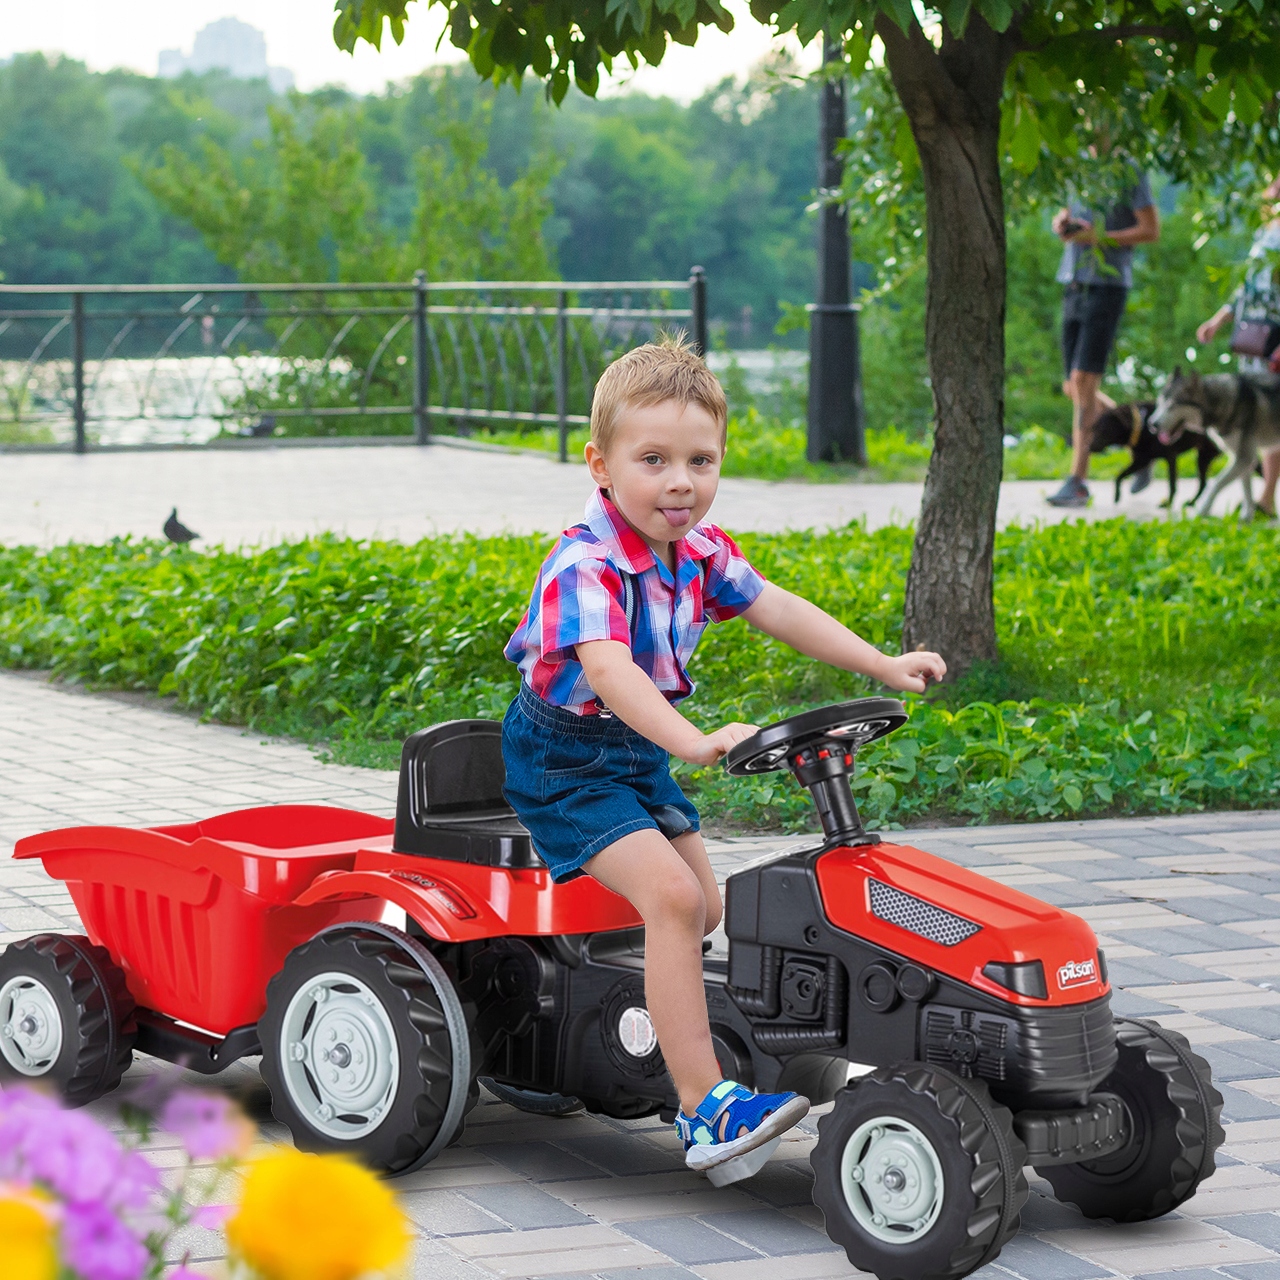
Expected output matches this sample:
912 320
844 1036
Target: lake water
178 400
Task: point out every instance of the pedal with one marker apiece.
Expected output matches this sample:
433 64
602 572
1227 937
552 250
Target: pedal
744 1166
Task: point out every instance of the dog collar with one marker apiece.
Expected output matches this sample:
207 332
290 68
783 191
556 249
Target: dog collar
1136 414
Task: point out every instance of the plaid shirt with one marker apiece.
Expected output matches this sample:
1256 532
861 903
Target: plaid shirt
580 596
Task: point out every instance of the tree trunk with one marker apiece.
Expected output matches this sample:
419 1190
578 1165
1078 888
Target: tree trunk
952 100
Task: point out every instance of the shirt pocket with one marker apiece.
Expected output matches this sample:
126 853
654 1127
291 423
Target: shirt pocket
689 635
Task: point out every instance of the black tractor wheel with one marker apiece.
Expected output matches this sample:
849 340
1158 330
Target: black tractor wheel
1174 1130
66 1017
366 1049
918 1173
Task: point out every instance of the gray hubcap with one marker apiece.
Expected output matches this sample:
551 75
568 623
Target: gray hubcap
892 1180
30 1026
339 1056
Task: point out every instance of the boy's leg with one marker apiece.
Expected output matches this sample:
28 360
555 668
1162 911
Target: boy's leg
690 847
647 870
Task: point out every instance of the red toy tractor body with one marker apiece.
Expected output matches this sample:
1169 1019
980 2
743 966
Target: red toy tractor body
381 967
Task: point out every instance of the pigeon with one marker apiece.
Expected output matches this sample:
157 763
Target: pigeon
176 531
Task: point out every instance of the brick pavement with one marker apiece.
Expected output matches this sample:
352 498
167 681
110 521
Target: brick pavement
1188 909
249 496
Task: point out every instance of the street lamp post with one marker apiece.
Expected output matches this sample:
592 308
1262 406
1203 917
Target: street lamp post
835 371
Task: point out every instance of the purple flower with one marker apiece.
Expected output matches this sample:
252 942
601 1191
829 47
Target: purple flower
212 1217
210 1126
70 1153
98 1246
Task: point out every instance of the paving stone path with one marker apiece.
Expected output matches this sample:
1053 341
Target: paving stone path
251 496
1187 908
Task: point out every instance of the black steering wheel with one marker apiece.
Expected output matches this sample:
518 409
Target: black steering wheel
847 724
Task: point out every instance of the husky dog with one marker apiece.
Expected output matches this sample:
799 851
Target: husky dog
1240 412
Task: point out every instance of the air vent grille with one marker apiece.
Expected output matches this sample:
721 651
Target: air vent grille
918 916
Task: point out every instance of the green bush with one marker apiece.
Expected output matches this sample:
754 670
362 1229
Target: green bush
1139 669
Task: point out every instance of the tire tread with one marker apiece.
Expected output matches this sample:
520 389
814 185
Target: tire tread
985 1132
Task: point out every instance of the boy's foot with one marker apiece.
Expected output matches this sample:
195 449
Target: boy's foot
1141 480
1074 493
729 1129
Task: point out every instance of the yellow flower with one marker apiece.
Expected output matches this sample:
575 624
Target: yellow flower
27 1237
309 1217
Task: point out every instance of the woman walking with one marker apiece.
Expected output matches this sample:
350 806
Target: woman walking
1257 302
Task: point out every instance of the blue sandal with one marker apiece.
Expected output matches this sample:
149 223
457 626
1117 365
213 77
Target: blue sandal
733 1132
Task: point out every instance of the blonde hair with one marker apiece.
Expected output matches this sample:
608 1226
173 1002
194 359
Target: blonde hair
668 369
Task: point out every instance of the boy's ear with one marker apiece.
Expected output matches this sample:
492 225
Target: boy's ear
597 465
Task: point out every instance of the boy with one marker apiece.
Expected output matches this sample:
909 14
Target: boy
616 611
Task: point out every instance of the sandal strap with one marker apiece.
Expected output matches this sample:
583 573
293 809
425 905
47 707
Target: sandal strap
720 1099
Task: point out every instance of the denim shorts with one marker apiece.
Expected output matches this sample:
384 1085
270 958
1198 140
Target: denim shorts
581 782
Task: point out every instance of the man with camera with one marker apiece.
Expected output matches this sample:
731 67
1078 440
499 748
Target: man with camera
1097 272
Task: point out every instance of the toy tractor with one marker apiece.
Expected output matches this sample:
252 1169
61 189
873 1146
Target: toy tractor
379 968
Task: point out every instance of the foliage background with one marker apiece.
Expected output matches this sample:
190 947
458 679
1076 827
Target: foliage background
119 177
1139 661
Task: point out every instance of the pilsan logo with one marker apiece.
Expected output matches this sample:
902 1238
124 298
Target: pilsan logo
1074 972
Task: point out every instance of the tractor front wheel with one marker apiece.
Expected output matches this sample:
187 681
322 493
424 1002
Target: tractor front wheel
366 1049
1174 1130
918 1173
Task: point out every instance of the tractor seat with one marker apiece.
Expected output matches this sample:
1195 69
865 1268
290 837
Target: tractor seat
450 802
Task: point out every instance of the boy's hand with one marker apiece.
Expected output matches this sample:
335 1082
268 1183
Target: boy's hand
711 746
913 671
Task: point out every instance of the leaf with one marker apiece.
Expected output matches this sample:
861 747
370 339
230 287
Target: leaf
1204 59
1218 99
904 146
1103 791
1072 795
998 13
1247 107
1024 145
901 12
460 27
955 13
857 49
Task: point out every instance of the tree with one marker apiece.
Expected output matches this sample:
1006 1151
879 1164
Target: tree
1189 86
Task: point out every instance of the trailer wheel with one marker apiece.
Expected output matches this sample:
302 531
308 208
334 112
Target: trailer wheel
365 1048
1175 1130
918 1174
66 1016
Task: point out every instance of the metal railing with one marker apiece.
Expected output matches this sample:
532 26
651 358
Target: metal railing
299 358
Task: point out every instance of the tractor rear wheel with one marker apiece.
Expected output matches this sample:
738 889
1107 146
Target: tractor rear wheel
66 1017
1174 1130
918 1173
366 1049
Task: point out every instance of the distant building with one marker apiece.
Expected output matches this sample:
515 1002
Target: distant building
227 45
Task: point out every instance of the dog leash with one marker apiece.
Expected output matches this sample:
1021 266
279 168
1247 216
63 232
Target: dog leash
1137 425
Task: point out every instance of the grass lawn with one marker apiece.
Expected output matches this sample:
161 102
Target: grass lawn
1140 669
769 448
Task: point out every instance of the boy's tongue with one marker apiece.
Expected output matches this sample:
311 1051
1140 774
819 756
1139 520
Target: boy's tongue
677 517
